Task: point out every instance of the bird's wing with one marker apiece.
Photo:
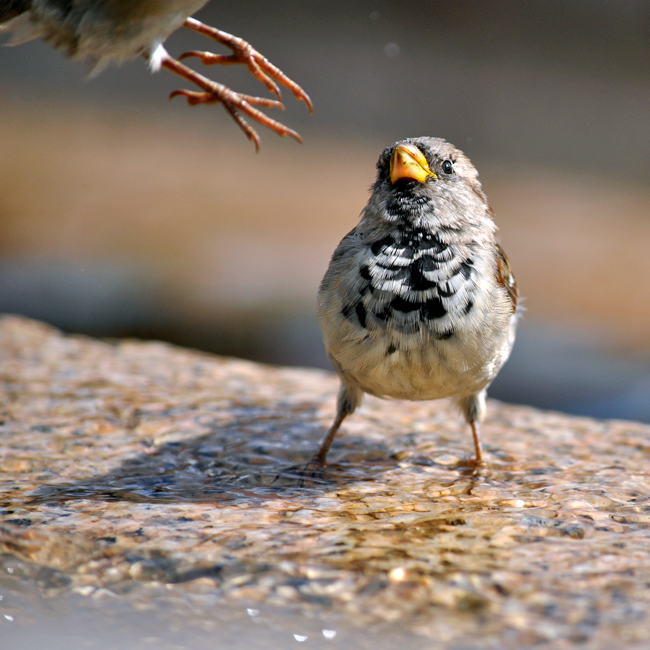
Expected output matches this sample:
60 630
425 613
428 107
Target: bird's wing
505 276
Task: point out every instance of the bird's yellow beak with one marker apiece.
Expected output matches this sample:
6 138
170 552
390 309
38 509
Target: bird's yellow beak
408 161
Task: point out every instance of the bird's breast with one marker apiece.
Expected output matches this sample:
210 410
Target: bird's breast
410 281
407 315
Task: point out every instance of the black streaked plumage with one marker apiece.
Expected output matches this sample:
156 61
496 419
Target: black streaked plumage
427 294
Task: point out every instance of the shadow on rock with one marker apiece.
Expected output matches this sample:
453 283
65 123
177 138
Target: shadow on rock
263 454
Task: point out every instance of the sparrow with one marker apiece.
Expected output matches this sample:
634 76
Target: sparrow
105 31
419 301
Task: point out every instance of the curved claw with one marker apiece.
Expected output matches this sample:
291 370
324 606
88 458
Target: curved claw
235 103
214 97
258 65
193 97
250 132
208 58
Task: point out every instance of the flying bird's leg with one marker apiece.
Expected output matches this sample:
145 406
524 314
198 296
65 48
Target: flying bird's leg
242 52
237 104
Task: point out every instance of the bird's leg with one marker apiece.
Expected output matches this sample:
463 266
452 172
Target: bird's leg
473 408
235 103
243 53
321 455
478 446
348 399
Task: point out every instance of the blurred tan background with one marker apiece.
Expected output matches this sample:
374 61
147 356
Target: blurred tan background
123 214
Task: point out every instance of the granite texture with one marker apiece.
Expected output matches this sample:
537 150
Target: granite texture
132 469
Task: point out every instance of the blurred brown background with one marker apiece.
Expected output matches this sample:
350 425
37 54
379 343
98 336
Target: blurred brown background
123 214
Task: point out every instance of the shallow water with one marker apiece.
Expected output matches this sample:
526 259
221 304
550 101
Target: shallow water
198 622
155 493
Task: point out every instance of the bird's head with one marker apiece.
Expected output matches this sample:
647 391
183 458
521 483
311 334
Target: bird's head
426 181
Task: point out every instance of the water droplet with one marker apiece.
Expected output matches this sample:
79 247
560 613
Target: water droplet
391 50
397 574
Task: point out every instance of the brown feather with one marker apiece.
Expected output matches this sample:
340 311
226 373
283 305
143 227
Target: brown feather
505 277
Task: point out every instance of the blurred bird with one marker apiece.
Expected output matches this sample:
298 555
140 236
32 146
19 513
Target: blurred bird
105 31
419 300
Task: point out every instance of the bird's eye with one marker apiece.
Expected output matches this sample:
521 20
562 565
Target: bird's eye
447 167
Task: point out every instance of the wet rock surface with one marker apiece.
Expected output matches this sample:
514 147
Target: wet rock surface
152 476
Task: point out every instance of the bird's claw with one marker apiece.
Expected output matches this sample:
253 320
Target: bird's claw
244 53
237 104
225 96
208 58
312 473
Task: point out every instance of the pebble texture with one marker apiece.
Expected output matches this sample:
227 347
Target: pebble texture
131 467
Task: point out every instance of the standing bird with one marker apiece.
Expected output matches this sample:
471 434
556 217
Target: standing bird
419 300
105 31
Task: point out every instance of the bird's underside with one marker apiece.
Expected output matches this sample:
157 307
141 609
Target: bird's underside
100 36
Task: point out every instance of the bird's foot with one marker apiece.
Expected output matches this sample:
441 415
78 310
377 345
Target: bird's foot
475 467
309 474
243 53
237 104
313 472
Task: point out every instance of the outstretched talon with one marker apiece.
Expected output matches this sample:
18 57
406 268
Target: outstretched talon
235 103
243 53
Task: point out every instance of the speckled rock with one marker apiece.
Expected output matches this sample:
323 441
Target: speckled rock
132 467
